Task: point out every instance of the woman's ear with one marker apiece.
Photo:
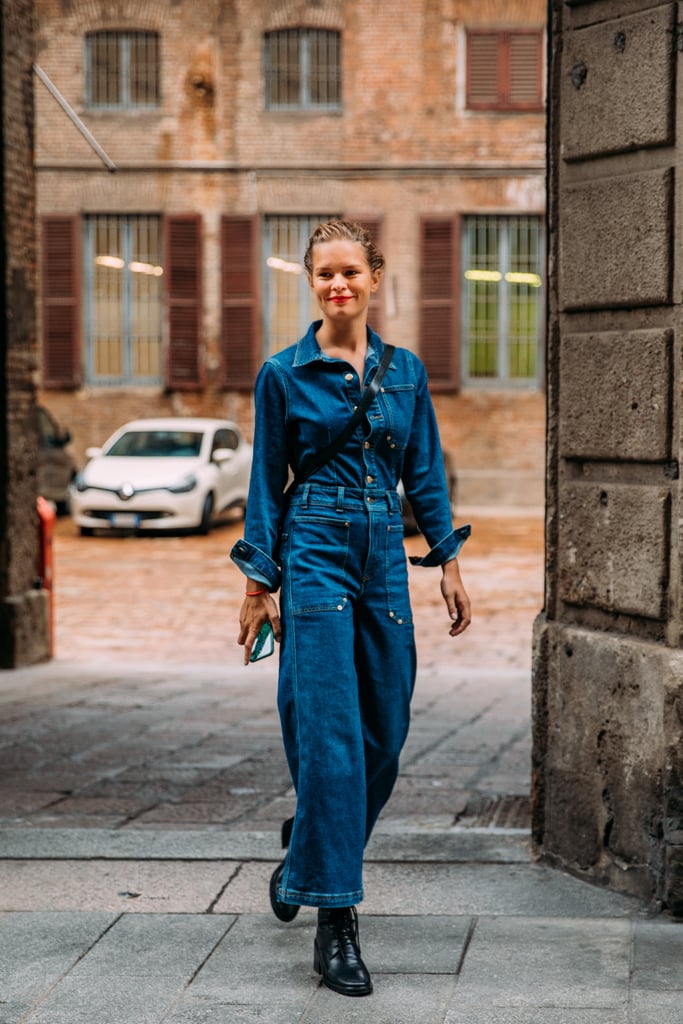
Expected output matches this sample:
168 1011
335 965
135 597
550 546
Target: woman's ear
376 280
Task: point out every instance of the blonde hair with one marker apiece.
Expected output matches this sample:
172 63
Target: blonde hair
345 230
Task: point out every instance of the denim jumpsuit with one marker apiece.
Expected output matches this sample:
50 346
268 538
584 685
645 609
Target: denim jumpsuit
347 655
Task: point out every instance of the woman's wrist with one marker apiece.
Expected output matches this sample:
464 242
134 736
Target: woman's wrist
255 588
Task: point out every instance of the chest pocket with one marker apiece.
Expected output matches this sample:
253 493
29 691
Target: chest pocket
398 401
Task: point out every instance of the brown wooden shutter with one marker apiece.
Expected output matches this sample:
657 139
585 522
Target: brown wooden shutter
526 84
240 323
482 70
184 301
373 226
504 70
439 333
61 300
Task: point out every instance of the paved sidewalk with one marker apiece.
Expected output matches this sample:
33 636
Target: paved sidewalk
140 801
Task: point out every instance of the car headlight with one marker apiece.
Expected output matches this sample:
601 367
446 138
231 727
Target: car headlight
187 484
79 483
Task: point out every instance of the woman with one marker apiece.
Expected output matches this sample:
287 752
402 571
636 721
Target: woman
347 652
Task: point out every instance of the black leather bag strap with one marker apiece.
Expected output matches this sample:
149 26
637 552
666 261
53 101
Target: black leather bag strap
319 459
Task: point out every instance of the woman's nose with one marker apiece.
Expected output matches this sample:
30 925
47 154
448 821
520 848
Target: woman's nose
338 282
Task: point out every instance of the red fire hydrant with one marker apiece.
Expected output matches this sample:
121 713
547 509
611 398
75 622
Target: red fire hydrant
47 517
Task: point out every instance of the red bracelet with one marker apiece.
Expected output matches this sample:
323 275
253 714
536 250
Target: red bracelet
255 593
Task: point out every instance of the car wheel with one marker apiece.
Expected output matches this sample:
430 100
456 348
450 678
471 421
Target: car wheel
87 531
207 511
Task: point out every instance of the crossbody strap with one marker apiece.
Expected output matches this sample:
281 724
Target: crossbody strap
317 460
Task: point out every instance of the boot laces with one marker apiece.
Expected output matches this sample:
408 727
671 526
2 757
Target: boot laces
346 927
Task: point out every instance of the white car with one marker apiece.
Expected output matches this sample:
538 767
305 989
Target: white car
163 474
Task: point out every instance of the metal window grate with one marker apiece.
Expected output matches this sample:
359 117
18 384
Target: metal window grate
502 299
302 69
122 69
123 275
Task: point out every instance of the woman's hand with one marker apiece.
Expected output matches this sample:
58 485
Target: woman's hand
455 596
256 609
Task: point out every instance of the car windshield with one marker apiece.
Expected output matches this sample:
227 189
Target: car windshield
157 444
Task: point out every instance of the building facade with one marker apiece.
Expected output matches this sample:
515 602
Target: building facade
233 128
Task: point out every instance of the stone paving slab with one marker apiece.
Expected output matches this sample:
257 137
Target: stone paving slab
234 887
63 968
543 1015
419 888
135 973
400 841
134 887
578 962
36 951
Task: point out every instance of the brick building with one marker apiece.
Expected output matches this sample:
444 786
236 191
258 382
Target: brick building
234 127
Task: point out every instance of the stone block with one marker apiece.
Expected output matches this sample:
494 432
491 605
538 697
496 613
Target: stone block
615 242
609 730
615 399
613 550
617 85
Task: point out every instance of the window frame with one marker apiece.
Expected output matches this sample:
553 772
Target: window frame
502 379
503 102
124 70
125 300
271 74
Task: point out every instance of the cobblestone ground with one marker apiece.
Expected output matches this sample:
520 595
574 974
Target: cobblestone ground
147 717
177 598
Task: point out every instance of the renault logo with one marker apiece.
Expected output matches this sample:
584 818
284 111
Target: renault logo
126 491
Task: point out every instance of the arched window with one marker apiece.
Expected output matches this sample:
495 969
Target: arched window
302 69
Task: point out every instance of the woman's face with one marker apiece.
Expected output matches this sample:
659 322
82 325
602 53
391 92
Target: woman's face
342 280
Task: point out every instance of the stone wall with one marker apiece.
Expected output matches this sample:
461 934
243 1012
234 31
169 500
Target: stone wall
608 669
23 608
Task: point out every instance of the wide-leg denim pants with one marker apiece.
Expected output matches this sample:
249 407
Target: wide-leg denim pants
347 673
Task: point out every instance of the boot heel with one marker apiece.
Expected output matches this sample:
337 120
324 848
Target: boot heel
286 833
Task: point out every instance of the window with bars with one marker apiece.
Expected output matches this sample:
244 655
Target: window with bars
302 69
123 300
122 70
505 70
502 300
290 305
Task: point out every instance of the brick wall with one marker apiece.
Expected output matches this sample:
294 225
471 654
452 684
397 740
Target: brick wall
403 148
23 619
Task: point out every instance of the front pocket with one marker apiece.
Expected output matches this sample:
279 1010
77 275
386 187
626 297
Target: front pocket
317 553
396 567
399 409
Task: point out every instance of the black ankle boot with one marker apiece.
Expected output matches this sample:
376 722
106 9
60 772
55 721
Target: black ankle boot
283 911
337 952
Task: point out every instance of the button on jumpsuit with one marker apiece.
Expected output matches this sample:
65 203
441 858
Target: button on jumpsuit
347 655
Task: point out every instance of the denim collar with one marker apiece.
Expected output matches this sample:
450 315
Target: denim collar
308 349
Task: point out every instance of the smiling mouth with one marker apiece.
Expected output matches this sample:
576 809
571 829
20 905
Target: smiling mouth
341 299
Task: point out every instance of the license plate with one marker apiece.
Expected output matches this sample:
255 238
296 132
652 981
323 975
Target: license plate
127 520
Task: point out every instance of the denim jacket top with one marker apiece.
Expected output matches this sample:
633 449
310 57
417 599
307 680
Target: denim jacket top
303 400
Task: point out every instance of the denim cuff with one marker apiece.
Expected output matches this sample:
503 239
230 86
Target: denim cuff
256 564
445 550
